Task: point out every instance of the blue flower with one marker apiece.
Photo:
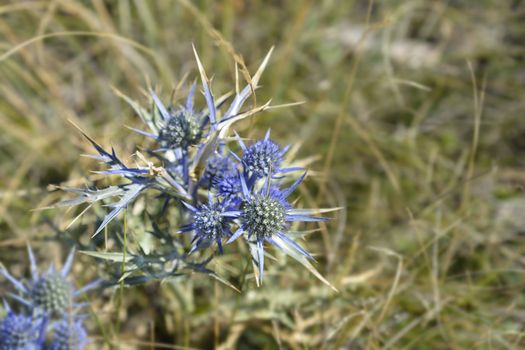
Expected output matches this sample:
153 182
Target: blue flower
210 223
262 158
49 293
265 216
179 127
181 130
228 187
68 335
217 168
21 332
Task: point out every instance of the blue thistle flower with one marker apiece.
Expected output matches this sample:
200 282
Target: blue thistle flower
265 216
228 187
68 335
218 168
50 293
180 127
21 332
210 223
262 158
182 130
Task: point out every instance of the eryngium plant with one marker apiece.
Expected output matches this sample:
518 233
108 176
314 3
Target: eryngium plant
205 187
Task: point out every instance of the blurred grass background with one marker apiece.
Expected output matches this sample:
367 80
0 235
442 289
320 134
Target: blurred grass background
414 108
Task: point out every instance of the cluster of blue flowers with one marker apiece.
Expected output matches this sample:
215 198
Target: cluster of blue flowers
246 200
48 316
222 195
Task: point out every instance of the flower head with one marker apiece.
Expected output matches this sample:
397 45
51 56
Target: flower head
263 158
20 332
265 216
180 127
181 130
217 168
49 293
228 187
68 335
210 223
52 293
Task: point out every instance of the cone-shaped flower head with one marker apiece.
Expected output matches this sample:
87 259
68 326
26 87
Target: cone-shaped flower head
182 129
68 335
210 223
265 216
49 293
52 293
261 157
228 187
20 332
218 168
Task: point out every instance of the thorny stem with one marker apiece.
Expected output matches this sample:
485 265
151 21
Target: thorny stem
123 267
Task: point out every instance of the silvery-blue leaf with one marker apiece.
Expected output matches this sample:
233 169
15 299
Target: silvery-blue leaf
131 192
